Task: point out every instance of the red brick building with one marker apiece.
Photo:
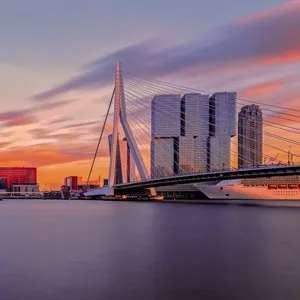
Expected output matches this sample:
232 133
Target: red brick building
16 175
71 182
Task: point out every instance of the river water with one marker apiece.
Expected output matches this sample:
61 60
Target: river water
85 250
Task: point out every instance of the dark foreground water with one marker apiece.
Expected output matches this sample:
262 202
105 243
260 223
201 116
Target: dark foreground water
112 250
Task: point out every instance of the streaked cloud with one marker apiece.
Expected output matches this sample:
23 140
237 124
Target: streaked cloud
261 89
5 144
271 37
292 102
82 124
29 116
17 118
48 154
48 134
54 104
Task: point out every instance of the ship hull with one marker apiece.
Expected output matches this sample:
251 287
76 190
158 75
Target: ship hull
239 191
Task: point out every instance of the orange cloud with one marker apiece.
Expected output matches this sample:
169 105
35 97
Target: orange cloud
37 155
288 56
261 89
270 12
4 144
48 154
52 176
293 102
289 116
53 161
281 119
43 133
17 118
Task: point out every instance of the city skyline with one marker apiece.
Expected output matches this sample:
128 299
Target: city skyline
191 133
58 135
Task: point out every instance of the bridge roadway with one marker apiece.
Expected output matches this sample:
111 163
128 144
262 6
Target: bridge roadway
269 171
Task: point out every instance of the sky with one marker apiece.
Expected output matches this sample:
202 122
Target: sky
57 63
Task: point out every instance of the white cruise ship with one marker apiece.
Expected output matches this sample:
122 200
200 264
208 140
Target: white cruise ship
274 188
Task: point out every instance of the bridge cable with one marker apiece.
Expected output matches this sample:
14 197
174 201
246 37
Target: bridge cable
180 89
207 92
253 139
287 140
100 137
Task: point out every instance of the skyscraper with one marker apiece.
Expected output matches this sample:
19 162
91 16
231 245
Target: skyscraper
222 122
165 131
119 175
194 133
250 127
127 162
180 132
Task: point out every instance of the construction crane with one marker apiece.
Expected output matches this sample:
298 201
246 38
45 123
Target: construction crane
271 160
290 157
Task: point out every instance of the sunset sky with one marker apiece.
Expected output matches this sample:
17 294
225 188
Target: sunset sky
57 63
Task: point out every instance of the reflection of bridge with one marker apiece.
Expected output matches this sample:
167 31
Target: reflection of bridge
131 116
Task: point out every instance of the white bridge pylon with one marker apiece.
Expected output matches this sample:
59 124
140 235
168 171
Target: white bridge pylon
120 118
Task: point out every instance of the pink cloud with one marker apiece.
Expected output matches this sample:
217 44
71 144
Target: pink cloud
261 89
17 118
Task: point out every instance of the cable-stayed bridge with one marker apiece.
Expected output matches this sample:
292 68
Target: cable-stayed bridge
166 134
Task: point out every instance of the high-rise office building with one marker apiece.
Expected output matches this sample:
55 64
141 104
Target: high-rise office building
195 130
222 122
192 133
162 157
180 132
250 135
127 162
119 175
165 131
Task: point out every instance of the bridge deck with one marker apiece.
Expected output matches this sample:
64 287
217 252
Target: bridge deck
214 176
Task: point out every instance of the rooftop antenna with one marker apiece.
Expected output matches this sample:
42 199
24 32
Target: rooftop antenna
290 158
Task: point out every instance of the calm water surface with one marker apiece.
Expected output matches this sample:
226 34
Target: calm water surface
112 250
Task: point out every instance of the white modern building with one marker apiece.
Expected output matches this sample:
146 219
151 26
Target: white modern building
165 116
222 120
162 154
180 133
165 131
195 109
26 188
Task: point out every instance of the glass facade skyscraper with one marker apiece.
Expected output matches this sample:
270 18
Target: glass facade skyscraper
165 130
222 122
194 133
250 136
180 132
